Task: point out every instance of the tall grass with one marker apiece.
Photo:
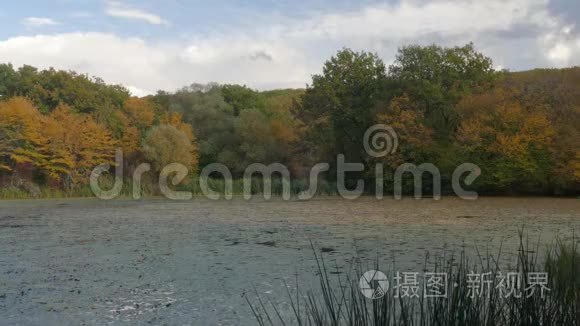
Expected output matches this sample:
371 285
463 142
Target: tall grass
46 192
13 193
338 301
78 191
149 188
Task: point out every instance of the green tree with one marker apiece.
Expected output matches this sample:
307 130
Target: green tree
242 98
47 89
341 103
204 108
437 78
8 81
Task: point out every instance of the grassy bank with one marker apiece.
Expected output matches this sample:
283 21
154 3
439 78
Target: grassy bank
148 189
46 193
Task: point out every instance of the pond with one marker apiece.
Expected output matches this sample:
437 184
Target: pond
85 261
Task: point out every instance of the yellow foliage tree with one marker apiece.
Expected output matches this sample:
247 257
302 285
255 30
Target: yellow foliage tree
140 111
20 137
413 136
175 120
514 142
130 136
77 144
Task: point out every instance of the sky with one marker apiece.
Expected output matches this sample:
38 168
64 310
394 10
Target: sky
265 44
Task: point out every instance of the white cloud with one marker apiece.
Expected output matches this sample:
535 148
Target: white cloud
297 49
410 19
568 29
560 53
39 22
147 67
117 9
135 91
562 47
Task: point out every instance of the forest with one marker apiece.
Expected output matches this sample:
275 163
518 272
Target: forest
447 105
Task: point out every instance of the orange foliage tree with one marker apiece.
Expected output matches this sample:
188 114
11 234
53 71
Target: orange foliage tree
20 137
512 143
175 120
128 135
135 118
76 145
140 111
413 136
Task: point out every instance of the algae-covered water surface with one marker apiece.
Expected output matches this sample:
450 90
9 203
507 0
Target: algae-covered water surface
163 262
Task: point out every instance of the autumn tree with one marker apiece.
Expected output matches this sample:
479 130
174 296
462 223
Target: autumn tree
414 138
130 124
447 105
77 145
127 133
557 92
21 140
278 108
165 144
512 144
140 111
